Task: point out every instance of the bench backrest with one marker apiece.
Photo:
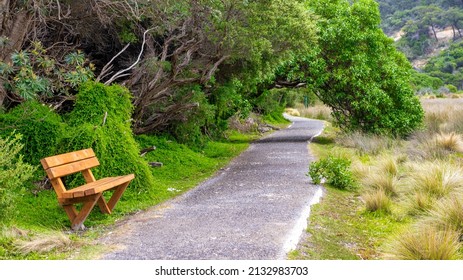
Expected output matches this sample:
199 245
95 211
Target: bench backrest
69 163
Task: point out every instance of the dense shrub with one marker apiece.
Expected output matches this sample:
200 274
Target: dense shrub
359 73
13 173
335 170
195 127
40 127
101 120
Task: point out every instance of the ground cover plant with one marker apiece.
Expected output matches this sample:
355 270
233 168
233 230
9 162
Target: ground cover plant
39 228
33 225
408 203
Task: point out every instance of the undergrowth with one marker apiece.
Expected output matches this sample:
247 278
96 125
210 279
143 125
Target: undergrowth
38 214
409 202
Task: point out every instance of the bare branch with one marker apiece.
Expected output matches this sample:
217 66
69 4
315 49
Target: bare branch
211 71
109 66
119 73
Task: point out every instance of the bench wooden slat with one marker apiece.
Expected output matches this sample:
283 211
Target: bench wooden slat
89 194
53 161
97 186
71 168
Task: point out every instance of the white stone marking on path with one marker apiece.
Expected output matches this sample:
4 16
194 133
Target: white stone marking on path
301 224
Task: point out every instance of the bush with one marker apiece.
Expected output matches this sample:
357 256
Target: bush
336 171
101 120
40 127
13 173
198 124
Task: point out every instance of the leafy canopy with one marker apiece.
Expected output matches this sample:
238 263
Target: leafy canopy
357 71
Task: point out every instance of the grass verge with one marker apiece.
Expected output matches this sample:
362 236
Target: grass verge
40 228
340 226
340 229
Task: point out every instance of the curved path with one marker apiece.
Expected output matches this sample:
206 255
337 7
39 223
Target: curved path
252 209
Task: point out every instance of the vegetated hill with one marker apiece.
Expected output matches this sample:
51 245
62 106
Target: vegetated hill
429 34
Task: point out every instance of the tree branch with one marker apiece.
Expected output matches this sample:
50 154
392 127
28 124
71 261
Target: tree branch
119 73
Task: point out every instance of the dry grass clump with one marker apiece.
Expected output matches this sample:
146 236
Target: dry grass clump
377 201
447 214
318 111
378 181
429 182
43 243
359 170
436 120
387 164
426 146
425 243
365 143
449 141
443 115
437 178
292 112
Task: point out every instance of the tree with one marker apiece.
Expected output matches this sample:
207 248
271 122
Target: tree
358 72
453 17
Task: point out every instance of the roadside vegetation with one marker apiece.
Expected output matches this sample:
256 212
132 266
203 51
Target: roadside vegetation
35 226
120 76
405 198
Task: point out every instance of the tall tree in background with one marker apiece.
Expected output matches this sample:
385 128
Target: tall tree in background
358 72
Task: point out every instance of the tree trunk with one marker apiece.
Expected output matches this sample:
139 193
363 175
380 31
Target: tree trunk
434 32
14 25
458 29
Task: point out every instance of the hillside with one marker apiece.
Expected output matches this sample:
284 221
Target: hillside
425 31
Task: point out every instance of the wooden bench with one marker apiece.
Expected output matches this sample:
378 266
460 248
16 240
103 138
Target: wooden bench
89 194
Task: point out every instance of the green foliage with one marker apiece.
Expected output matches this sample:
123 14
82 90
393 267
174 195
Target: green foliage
448 66
193 128
13 174
229 101
421 81
359 73
41 129
101 120
335 170
32 74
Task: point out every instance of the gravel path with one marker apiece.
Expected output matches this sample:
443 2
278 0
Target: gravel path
254 208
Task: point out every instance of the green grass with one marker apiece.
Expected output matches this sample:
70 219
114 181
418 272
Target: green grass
340 226
340 229
183 168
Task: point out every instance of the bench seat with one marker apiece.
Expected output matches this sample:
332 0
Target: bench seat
97 186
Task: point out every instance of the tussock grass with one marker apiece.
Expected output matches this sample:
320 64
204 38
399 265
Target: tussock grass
44 243
359 170
443 116
449 141
292 112
428 146
387 164
437 178
447 214
317 111
428 182
364 143
425 243
381 181
377 201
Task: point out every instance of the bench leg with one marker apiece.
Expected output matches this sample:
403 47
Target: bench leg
78 221
103 206
70 211
117 195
